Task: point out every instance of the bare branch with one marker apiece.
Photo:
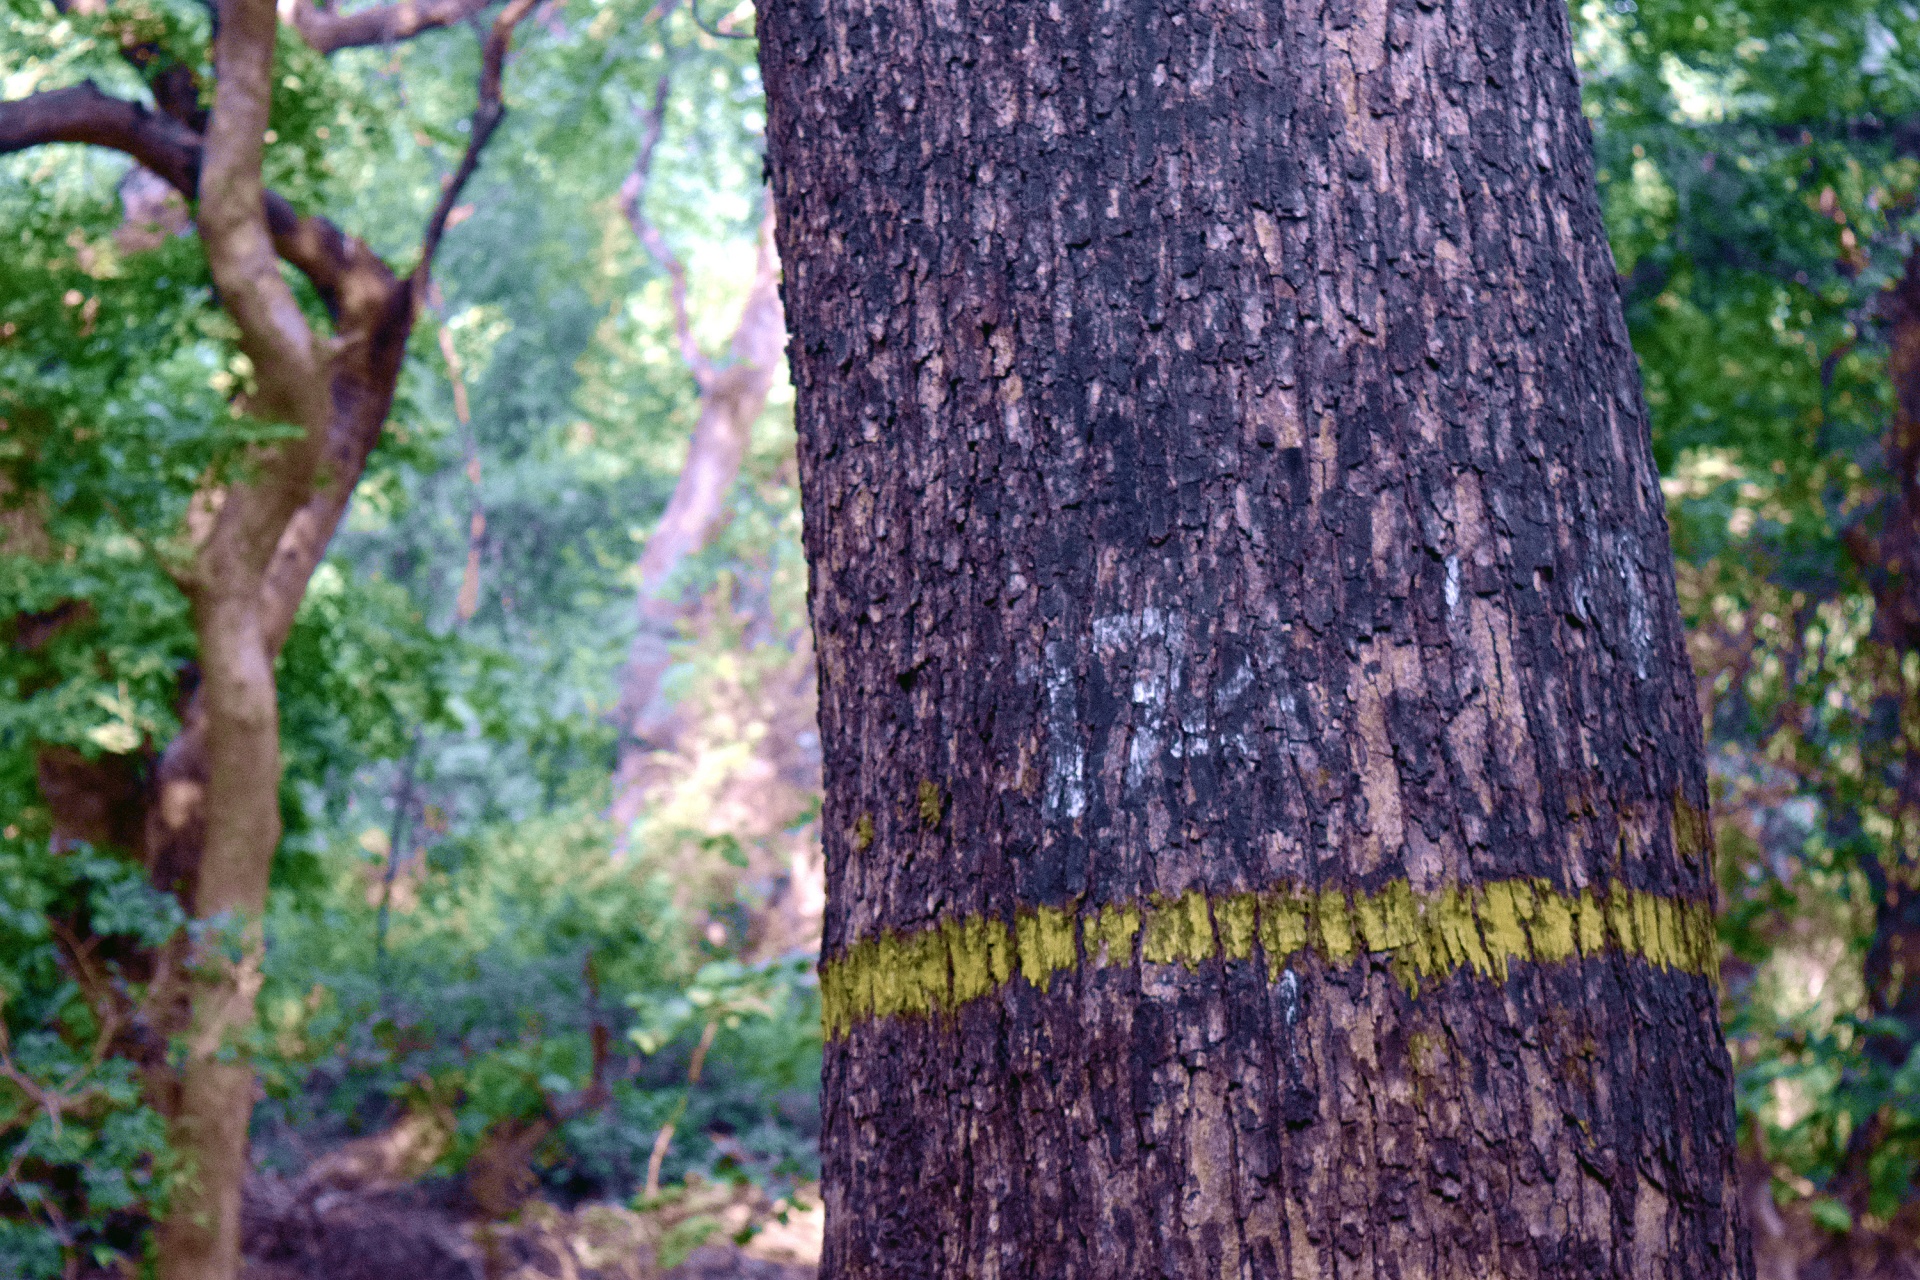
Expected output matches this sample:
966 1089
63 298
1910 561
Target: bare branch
328 31
327 256
720 31
633 200
488 111
83 114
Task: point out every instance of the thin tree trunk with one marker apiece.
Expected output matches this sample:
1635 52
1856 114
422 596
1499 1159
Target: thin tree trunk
212 820
731 399
1265 802
199 1239
1885 547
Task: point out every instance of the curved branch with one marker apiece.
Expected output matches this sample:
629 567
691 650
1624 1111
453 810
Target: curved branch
488 111
717 32
329 32
633 201
83 114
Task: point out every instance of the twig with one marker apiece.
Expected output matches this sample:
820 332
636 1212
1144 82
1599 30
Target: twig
633 193
665 1140
69 1094
718 33
489 109
402 810
328 31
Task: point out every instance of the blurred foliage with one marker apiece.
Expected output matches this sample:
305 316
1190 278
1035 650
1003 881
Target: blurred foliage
1758 162
447 930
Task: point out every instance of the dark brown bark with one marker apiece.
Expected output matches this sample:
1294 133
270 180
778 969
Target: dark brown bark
1265 802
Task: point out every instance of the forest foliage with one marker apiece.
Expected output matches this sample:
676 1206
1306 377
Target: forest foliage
1759 165
456 933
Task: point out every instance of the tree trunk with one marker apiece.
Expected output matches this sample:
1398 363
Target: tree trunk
731 399
211 820
199 1238
1884 542
1265 803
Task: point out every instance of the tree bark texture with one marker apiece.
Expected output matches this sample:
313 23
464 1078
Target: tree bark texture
1265 804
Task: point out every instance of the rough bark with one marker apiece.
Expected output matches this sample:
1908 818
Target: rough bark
1265 802
732 396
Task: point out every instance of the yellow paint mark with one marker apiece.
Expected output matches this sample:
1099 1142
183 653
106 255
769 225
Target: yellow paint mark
930 980
1283 929
1552 925
1235 917
1045 940
1113 929
1487 929
1620 921
862 833
968 953
1179 931
892 977
1500 916
1457 929
1692 836
1593 922
999 953
1336 929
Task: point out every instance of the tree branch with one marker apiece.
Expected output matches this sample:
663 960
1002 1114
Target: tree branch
83 114
329 32
719 31
489 109
287 360
633 198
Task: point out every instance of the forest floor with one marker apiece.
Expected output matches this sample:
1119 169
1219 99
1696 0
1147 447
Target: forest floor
1788 1244
429 1229
423 1232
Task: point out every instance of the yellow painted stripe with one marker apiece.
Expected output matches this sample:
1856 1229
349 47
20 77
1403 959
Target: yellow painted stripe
1485 928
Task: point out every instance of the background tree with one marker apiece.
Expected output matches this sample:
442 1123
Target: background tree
213 822
1759 173
1265 810
468 1008
349 137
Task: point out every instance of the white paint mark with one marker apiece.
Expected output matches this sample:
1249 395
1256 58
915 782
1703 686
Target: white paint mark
1639 617
1233 686
1203 74
1453 583
1289 997
1066 755
1141 753
1155 673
